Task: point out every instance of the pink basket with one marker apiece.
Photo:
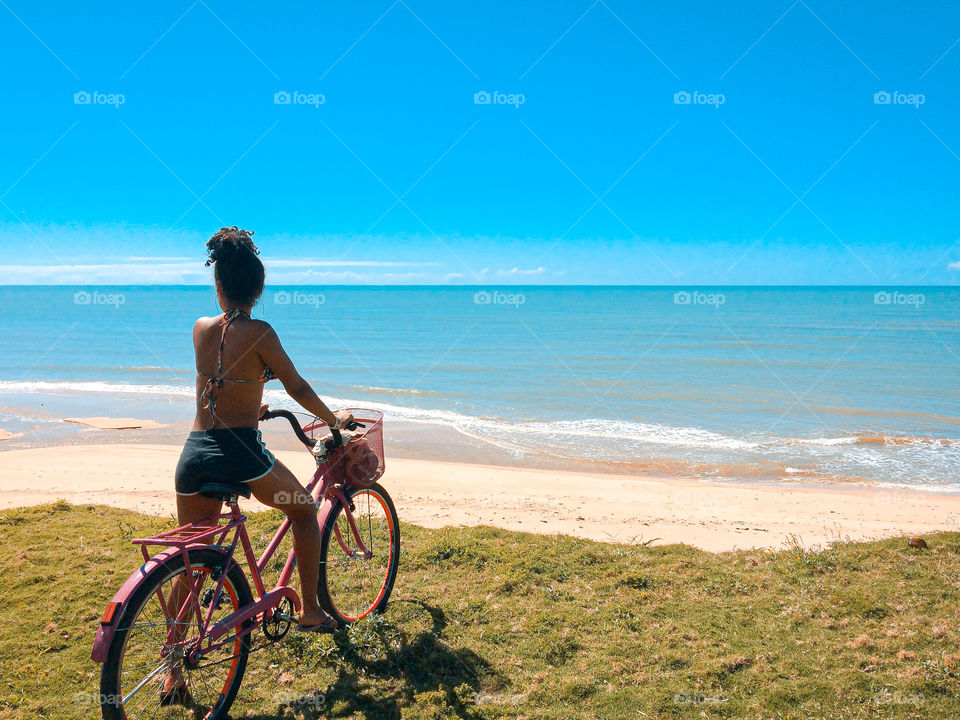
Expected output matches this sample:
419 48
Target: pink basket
360 462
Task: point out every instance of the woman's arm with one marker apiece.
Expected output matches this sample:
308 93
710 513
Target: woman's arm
276 358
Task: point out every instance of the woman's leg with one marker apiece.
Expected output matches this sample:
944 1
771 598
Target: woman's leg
190 508
279 489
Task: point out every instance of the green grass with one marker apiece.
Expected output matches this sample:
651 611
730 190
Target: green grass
486 623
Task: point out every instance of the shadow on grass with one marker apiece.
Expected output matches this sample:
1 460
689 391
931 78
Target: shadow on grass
381 669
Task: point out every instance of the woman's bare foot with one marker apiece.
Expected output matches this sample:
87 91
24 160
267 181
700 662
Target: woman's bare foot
175 690
173 679
313 620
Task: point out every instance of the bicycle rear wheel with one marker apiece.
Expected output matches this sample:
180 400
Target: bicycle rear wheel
140 655
354 583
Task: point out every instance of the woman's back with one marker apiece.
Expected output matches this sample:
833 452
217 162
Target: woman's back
236 400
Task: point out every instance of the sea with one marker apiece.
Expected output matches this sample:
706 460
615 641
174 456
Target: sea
767 385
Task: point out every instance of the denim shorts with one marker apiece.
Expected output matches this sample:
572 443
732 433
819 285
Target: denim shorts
221 462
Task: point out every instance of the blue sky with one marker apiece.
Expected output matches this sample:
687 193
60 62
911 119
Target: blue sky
586 167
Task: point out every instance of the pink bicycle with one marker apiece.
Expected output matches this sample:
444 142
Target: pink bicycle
205 637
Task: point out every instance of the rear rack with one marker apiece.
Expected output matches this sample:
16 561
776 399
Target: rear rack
191 533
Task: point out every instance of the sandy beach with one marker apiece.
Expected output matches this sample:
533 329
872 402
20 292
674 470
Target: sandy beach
614 508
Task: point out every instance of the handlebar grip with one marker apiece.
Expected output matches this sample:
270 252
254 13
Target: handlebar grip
338 438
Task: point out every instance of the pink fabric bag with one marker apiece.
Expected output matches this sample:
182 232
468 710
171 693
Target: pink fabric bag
359 464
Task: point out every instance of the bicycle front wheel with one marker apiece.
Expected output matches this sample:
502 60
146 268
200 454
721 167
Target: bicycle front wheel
148 645
356 578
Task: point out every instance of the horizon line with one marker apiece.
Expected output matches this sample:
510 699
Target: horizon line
475 285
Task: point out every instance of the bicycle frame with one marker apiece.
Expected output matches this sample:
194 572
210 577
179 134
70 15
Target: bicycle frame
210 533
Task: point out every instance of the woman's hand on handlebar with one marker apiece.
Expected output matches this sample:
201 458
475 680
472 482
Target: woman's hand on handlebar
263 410
344 419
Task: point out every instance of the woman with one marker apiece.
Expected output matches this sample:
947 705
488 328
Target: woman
224 453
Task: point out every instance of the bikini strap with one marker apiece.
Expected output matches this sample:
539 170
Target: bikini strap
228 317
208 398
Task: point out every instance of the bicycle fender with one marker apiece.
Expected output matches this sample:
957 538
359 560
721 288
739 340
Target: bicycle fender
115 608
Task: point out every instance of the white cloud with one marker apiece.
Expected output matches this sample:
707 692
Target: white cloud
158 259
122 254
517 272
189 273
954 266
285 263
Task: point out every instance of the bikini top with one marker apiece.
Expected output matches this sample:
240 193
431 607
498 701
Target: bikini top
208 398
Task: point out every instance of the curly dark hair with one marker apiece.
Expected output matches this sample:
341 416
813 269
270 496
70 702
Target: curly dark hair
236 266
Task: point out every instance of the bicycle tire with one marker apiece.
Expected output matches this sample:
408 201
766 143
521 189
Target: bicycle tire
335 589
201 559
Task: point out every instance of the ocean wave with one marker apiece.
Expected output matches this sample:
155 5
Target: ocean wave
822 442
61 386
627 446
878 439
394 391
562 431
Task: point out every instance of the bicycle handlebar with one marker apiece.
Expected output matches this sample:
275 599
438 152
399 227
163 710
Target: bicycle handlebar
298 431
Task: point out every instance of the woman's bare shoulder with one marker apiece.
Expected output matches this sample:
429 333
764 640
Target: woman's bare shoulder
204 322
256 330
